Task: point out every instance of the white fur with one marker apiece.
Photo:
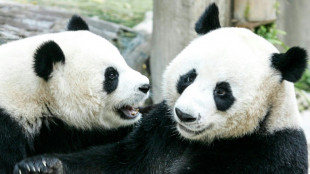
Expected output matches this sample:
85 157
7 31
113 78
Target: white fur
242 59
75 92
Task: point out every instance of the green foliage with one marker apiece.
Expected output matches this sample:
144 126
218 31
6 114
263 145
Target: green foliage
271 33
304 82
125 12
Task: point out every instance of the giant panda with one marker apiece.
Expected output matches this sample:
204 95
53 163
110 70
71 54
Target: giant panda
229 108
64 91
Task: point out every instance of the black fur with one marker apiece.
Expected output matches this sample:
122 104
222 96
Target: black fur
291 64
147 109
225 100
55 136
186 80
48 54
13 143
155 147
77 23
110 80
209 20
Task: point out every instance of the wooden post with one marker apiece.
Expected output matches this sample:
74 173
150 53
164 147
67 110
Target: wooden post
173 29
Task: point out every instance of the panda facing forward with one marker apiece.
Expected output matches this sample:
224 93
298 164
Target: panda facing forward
63 92
229 108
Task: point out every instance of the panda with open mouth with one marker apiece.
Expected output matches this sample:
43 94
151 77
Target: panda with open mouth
229 108
64 92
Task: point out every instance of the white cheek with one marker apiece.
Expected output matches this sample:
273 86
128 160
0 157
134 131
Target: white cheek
216 120
128 86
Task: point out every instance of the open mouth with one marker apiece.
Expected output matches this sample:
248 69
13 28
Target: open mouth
128 112
191 131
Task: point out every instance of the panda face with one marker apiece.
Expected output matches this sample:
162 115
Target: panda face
76 76
95 86
223 85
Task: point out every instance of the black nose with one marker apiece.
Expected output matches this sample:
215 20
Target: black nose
145 88
183 116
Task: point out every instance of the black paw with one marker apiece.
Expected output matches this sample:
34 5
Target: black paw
39 165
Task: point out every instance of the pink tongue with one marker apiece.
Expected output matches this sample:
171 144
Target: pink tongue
126 112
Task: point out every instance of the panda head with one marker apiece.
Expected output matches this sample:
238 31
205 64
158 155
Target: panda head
85 81
230 82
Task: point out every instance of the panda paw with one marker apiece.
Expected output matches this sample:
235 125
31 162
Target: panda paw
39 165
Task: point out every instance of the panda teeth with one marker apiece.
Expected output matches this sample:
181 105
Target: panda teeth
134 112
130 111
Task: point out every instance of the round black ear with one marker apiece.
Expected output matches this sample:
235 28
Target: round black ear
291 64
209 20
77 23
48 54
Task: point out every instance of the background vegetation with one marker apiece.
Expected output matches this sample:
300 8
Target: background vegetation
125 12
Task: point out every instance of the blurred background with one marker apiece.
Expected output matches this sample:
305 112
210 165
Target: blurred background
150 33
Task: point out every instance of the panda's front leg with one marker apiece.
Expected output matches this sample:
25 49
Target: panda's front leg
39 165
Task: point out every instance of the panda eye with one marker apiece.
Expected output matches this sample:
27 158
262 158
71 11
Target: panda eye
186 80
220 92
223 96
112 75
190 78
111 80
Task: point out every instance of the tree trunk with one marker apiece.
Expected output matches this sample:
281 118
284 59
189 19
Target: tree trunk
173 29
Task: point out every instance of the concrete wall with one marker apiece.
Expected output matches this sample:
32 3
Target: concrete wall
294 18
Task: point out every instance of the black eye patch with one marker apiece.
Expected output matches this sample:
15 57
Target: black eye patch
110 80
186 80
223 96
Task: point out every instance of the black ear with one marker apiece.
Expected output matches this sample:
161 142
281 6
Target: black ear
48 54
291 64
77 23
209 20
